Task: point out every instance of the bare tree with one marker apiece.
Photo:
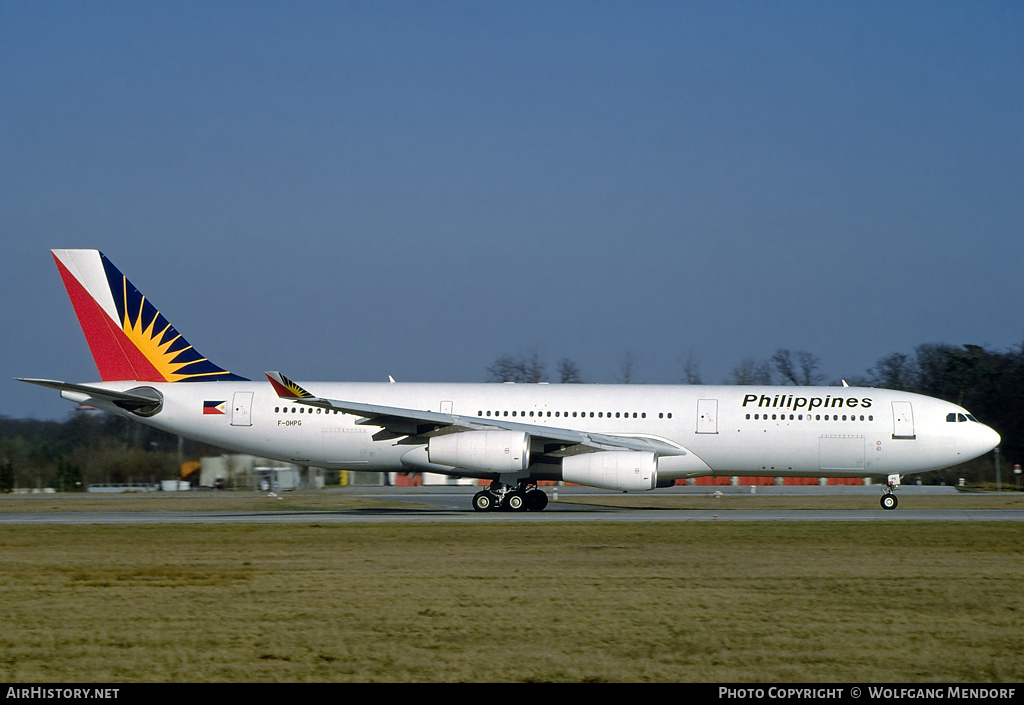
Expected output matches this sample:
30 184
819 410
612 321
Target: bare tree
896 371
503 369
809 366
801 372
569 372
626 368
783 361
691 369
751 372
517 368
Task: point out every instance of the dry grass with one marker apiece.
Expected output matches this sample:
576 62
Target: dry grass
232 501
722 602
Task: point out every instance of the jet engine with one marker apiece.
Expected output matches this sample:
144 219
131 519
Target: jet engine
492 451
612 470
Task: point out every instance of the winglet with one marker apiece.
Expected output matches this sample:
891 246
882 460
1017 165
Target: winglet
285 388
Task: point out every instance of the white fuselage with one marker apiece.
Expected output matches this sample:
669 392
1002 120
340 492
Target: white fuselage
724 430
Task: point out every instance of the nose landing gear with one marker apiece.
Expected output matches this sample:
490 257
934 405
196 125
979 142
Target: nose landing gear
889 500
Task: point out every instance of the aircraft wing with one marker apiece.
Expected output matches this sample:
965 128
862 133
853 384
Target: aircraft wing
413 422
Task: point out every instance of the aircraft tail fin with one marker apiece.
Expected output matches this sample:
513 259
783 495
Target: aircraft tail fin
128 337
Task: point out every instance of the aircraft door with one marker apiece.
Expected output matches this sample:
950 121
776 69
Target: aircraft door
241 409
707 416
903 420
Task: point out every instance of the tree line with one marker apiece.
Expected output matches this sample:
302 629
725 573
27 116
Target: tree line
93 447
90 447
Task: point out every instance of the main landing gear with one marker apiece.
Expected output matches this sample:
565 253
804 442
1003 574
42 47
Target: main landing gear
500 497
889 500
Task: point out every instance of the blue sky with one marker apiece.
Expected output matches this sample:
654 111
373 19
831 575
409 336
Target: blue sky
348 190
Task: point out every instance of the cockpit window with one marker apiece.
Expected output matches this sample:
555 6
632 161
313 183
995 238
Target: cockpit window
954 417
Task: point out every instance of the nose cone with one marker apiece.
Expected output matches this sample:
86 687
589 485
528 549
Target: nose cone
979 441
991 439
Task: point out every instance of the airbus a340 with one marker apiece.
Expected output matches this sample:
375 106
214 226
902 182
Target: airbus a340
620 437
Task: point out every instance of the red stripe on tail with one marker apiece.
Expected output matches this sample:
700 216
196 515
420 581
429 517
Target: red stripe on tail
115 356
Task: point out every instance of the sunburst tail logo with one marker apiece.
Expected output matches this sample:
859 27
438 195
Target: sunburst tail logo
128 336
285 388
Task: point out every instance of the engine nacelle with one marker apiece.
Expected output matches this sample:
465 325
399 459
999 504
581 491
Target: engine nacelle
612 470
491 451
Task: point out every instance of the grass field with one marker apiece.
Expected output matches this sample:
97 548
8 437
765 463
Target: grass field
233 501
720 602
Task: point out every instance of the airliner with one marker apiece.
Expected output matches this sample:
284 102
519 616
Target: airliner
619 437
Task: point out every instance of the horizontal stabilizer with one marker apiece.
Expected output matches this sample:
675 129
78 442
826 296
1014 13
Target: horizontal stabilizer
141 400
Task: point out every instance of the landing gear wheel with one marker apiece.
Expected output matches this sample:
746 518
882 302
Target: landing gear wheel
483 501
889 501
514 501
525 496
536 500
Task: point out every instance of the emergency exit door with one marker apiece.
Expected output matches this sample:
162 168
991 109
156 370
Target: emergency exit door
707 416
903 420
241 409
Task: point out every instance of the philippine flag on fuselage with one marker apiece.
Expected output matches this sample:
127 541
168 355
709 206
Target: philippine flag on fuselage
215 407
